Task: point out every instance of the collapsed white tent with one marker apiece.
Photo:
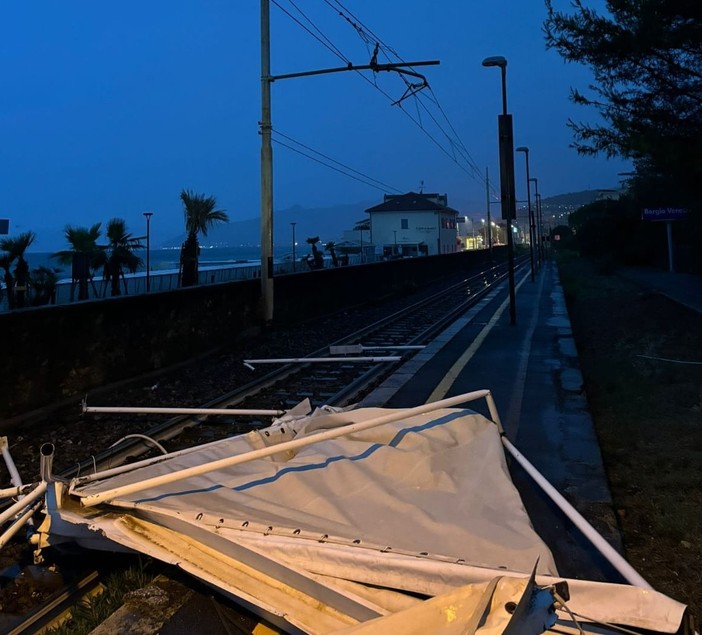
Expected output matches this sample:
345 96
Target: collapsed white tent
339 519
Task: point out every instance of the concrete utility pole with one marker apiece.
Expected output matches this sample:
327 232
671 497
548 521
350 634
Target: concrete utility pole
487 200
148 216
267 152
266 169
532 231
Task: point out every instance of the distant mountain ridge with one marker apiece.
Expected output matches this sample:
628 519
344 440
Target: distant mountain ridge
574 199
328 223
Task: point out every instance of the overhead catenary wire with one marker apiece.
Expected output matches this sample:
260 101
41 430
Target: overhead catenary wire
366 33
456 147
331 167
368 180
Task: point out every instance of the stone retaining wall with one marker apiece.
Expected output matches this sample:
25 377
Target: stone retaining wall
53 353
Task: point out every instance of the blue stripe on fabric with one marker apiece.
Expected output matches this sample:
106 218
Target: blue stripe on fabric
394 442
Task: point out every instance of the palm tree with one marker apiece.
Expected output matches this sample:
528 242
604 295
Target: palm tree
16 247
85 254
5 265
120 254
330 248
200 215
44 281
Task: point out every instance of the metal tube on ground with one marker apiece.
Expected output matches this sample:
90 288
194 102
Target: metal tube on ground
182 411
47 462
20 522
15 478
613 556
21 504
315 360
95 499
12 492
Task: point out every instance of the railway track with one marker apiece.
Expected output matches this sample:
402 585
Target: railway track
278 384
324 376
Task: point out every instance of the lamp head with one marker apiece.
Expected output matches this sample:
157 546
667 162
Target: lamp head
522 149
496 60
148 214
535 180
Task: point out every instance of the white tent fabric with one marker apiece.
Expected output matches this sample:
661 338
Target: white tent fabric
433 484
422 505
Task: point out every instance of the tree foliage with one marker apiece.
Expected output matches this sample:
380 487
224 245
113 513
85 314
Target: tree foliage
200 215
646 58
16 248
119 254
84 256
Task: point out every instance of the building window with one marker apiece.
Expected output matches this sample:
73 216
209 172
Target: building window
404 223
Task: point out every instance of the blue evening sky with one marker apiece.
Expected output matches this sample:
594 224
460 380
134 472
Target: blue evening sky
109 109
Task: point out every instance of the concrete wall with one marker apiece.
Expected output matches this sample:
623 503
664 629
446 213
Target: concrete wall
53 353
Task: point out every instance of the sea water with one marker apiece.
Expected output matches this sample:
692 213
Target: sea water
168 259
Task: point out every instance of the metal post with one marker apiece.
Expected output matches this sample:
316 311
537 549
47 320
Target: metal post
294 257
538 221
266 170
525 150
540 225
148 216
506 178
487 200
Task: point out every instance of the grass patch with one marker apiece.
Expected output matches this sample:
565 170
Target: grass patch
648 416
88 614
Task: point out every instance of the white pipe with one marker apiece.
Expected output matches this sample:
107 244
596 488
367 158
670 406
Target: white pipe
15 478
615 558
11 492
46 453
354 349
183 411
121 469
143 437
197 470
17 507
322 360
21 521
408 347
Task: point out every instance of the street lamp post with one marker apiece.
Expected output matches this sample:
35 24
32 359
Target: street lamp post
532 232
148 216
395 241
538 231
293 245
506 147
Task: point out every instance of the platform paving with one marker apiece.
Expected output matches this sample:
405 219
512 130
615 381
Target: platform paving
532 370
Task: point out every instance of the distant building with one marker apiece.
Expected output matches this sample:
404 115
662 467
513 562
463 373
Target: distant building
413 225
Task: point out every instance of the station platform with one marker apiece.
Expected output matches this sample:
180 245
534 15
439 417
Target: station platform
533 372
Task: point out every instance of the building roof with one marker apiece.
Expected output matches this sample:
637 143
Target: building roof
412 202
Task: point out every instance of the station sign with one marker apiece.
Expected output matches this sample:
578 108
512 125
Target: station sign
664 213
4 226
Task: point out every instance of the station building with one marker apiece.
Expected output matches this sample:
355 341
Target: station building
413 224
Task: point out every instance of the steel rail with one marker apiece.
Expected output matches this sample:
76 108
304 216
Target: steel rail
172 428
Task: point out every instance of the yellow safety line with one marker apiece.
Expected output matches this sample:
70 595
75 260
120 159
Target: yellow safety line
450 377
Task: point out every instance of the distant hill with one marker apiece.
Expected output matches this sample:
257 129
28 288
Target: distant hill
573 199
328 223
